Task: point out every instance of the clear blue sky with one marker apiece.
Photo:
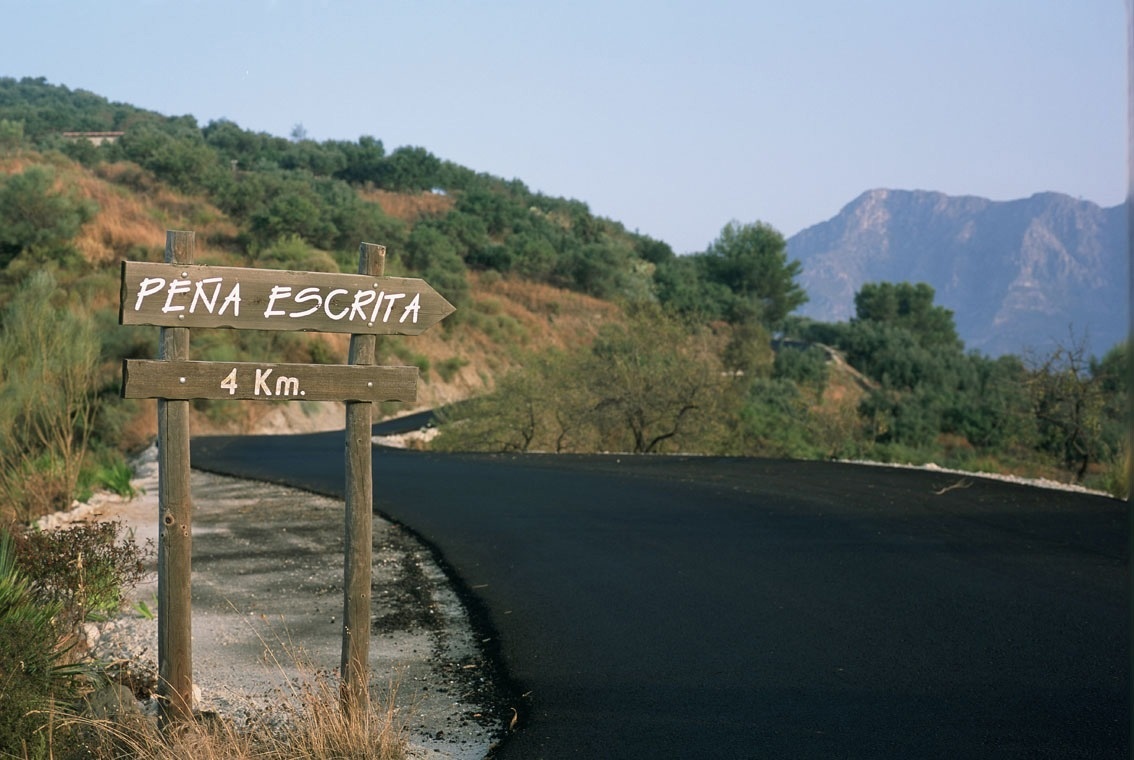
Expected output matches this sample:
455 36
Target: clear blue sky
670 117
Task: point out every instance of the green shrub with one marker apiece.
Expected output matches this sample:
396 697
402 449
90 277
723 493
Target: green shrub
48 398
802 365
1115 477
448 368
116 477
30 675
83 569
36 217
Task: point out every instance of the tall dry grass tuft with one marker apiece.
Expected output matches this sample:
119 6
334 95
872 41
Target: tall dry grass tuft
315 729
325 730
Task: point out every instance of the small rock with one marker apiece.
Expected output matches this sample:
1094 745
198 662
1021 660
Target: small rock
112 702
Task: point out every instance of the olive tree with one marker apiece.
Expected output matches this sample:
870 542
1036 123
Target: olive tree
645 386
1069 401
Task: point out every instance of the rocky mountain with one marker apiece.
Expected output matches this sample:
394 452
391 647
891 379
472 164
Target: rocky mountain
1018 275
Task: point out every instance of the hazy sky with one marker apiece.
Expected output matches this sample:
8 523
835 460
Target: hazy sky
670 117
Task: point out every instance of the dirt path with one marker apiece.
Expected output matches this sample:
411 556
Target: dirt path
267 606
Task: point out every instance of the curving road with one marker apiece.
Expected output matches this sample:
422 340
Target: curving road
708 607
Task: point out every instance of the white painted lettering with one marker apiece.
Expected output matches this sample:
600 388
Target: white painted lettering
233 300
175 287
199 294
327 305
221 295
377 306
414 306
262 381
390 307
305 295
229 383
278 291
361 298
148 287
287 386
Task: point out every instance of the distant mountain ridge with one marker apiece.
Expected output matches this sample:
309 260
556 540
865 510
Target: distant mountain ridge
1018 275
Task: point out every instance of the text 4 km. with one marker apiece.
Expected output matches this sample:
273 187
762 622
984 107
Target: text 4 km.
267 382
285 386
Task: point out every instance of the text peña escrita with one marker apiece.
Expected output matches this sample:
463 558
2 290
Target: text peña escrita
366 305
204 296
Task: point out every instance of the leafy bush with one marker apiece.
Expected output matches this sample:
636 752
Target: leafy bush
409 169
34 216
802 365
116 478
291 252
81 570
448 368
174 150
431 254
744 275
774 421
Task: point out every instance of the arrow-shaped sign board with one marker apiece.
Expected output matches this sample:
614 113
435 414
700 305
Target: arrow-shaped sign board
267 382
182 295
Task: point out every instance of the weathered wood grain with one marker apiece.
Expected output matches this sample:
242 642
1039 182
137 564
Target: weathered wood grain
175 524
355 662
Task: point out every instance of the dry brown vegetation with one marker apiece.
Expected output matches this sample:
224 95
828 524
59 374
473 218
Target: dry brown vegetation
409 207
135 211
506 319
316 727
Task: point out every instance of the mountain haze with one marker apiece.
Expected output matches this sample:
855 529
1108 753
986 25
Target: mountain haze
1018 275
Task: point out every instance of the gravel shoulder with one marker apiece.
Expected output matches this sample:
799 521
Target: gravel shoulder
267 606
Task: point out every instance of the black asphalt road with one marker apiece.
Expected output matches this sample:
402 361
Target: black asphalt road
677 607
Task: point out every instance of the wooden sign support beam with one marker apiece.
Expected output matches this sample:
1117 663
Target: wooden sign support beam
249 381
355 691
175 523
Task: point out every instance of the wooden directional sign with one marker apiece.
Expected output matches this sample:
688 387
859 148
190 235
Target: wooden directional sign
178 295
267 382
184 295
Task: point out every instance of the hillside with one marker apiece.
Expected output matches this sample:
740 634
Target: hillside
503 318
592 337
1018 275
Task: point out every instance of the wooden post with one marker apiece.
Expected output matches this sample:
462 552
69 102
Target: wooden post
355 692
175 642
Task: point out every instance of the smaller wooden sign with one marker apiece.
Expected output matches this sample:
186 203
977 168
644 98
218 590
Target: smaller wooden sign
267 382
185 295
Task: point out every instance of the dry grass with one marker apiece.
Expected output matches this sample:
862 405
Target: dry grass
134 210
319 730
308 722
409 207
136 220
505 315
